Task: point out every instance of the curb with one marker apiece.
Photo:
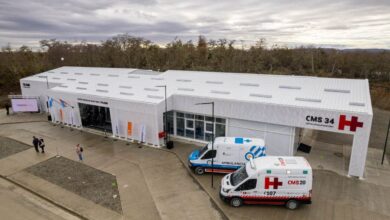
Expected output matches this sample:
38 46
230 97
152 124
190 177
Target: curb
215 203
20 122
45 198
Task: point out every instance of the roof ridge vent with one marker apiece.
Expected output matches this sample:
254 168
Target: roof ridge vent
71 79
360 104
151 89
337 90
134 77
183 80
113 75
157 78
42 76
289 87
155 97
260 95
81 88
308 100
94 74
126 93
63 86
64 72
102 90
214 82
85 83
78 73
102 84
220 92
125 87
186 89
250 84
55 78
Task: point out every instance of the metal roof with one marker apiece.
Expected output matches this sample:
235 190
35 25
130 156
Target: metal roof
140 85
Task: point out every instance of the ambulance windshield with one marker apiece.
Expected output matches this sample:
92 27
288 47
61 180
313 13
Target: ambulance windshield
204 149
238 176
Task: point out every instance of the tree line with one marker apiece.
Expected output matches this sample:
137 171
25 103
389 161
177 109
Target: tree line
220 55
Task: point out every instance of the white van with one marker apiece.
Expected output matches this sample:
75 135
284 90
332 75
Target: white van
269 180
230 153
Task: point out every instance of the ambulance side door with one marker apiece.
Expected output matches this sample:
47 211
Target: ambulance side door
248 188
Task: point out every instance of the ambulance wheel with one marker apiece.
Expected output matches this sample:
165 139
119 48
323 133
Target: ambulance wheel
292 204
199 170
236 202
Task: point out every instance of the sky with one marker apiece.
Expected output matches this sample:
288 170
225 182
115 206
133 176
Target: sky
319 23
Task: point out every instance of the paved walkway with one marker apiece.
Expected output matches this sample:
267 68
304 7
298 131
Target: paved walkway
153 184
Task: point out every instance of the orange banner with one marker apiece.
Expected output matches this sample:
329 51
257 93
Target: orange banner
129 129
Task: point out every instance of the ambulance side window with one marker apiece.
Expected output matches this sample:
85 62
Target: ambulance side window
210 154
248 185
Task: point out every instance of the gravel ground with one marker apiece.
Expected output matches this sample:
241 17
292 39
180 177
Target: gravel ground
88 182
9 147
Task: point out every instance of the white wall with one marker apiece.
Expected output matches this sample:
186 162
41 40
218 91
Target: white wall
277 138
37 88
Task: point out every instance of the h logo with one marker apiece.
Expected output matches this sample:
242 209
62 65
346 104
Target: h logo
353 124
275 183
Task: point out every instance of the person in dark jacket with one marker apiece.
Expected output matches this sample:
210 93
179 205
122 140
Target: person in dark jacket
7 107
36 143
42 145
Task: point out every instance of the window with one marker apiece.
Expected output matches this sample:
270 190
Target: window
199 130
180 126
198 127
199 117
219 130
189 124
248 185
210 154
209 127
220 120
238 176
190 116
209 118
170 121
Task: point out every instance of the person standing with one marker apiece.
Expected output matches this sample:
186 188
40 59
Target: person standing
79 151
42 145
7 107
35 143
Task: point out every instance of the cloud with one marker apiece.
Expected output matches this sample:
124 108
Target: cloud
348 23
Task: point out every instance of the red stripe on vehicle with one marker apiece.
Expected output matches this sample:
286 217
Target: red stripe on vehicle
219 170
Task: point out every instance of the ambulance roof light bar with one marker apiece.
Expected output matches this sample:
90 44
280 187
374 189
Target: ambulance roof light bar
253 165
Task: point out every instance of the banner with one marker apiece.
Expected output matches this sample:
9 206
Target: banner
129 129
143 131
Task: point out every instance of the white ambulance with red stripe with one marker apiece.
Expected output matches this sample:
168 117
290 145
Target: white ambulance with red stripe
269 180
229 154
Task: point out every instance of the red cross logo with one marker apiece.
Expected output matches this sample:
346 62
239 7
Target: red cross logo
353 124
275 184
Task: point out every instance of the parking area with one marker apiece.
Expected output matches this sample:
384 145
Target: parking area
335 196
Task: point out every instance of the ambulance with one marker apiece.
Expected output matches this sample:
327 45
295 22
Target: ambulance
230 153
269 180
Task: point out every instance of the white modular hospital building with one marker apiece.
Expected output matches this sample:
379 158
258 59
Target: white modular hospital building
130 104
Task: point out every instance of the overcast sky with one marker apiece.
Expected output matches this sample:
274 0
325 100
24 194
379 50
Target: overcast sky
324 23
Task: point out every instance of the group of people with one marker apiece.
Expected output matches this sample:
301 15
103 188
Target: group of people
40 143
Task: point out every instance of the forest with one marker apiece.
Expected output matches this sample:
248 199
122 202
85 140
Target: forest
206 55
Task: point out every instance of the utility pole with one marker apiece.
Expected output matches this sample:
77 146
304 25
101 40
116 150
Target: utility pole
385 146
